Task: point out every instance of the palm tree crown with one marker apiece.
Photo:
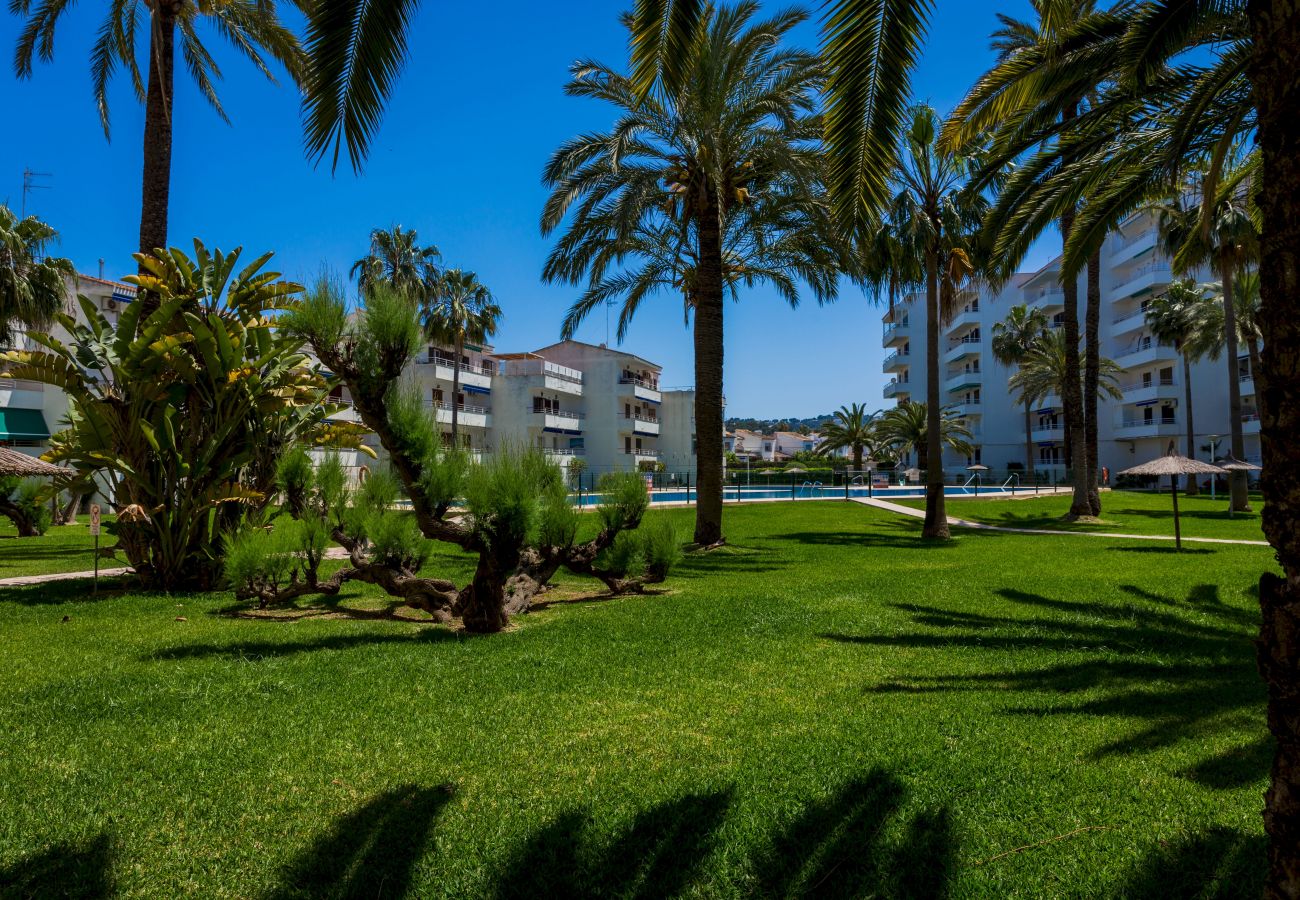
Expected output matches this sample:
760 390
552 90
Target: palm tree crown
397 259
1045 370
458 310
852 428
32 288
906 428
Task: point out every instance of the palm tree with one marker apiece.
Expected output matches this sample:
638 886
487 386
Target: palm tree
852 427
1184 317
906 427
1048 367
930 238
254 29
1049 69
32 287
396 259
1013 338
1247 316
700 191
459 310
1219 231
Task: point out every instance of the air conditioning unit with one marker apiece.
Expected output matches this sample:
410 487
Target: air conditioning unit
110 305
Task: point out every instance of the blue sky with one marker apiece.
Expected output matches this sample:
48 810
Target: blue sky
478 111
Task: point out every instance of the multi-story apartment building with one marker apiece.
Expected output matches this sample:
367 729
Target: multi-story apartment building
1132 429
30 411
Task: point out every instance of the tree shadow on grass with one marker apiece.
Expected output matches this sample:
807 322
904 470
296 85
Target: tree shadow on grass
370 852
69 590
1171 672
1218 863
834 847
1163 550
65 870
256 650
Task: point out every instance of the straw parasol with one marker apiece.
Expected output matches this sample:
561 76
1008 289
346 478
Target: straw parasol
1232 464
1174 465
13 463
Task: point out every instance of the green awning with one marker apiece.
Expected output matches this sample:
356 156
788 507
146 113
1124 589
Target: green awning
23 425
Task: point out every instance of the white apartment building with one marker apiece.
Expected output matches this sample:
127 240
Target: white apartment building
30 411
1131 430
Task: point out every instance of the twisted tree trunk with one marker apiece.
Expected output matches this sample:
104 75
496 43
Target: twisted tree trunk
936 514
1275 25
1092 377
23 522
708 376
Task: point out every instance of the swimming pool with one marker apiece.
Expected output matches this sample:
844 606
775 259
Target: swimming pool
808 492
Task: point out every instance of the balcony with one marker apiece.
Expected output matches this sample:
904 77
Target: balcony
640 425
471 375
1047 434
960 349
1125 248
1250 423
1143 428
897 389
1144 278
967 318
962 380
899 331
1048 299
896 360
466 416
1247 385
20 394
1128 321
562 456
642 454
1155 389
1144 353
565 422
968 408
545 375
642 389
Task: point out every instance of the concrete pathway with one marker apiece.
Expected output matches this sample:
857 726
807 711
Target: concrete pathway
966 523
27 580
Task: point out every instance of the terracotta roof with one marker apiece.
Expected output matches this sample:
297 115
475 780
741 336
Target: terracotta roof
120 285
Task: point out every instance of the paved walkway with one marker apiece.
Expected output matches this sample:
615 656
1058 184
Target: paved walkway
27 580
966 523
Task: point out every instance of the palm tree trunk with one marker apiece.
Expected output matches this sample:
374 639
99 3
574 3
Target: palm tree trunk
68 516
455 393
1092 377
157 176
936 515
1192 489
1276 58
708 378
1029 440
1236 480
857 458
1071 394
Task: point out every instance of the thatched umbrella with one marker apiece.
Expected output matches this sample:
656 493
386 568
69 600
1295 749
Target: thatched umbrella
1174 465
13 463
1232 464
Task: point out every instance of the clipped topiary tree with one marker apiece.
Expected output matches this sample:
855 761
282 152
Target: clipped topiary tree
513 510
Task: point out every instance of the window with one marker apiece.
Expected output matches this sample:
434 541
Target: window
1167 375
1167 415
1146 379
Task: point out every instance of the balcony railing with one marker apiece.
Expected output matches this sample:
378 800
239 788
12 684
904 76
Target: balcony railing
460 408
1249 417
1163 381
641 452
446 361
639 382
1132 315
895 358
1147 423
562 413
1145 234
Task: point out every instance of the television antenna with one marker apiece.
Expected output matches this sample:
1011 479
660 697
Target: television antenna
29 185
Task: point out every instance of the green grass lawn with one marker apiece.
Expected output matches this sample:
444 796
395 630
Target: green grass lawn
1137 512
64 548
825 707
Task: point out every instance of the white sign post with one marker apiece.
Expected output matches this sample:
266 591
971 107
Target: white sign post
94 530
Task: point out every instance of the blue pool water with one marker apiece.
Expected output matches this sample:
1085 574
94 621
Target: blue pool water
814 492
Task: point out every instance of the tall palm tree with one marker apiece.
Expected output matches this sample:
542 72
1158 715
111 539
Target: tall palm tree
1225 236
169 26
1013 338
1048 367
397 259
930 238
907 426
1247 316
32 287
1050 68
460 309
852 427
702 190
1184 317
